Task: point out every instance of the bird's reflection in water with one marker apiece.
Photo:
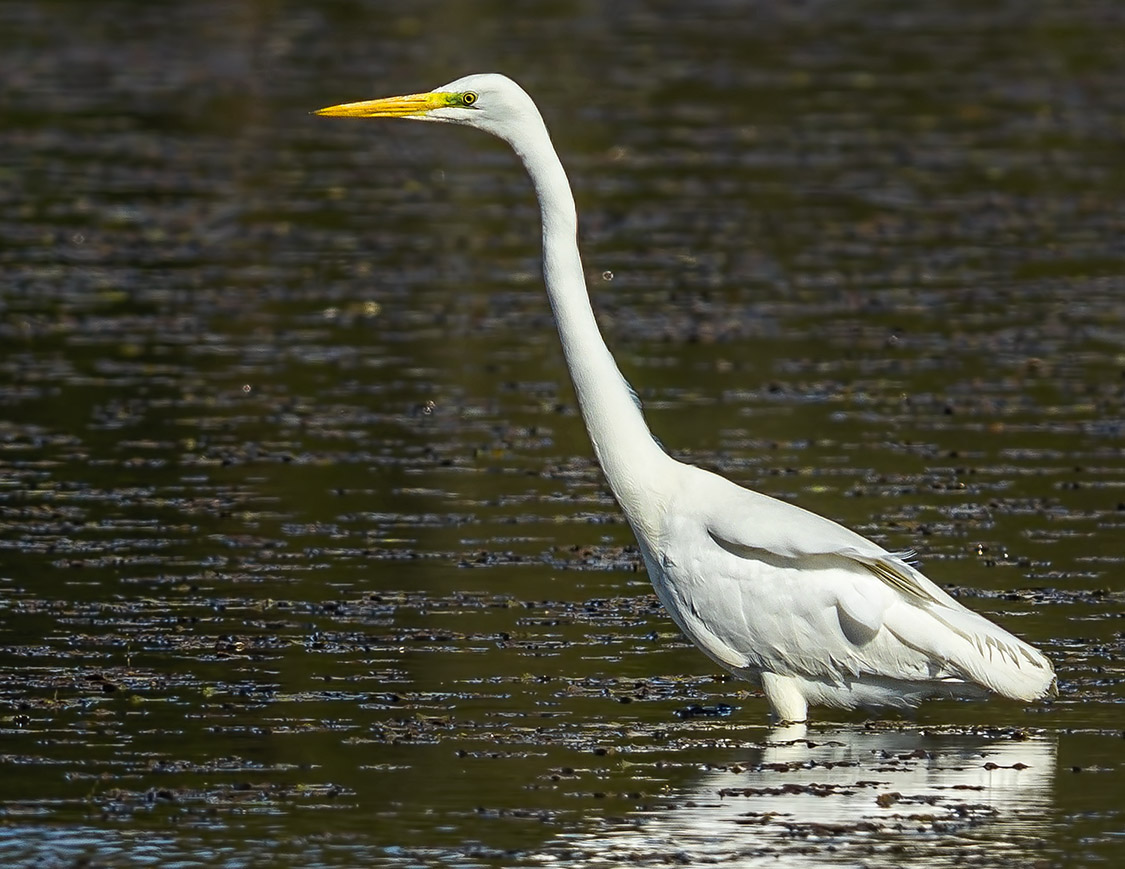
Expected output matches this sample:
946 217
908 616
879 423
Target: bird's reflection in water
875 796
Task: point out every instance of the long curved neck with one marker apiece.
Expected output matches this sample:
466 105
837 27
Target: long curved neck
626 450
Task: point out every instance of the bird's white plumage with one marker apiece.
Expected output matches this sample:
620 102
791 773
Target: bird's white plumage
814 613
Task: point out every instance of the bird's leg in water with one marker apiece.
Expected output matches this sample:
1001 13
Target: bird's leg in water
786 699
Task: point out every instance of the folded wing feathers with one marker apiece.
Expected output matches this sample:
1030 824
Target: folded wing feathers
969 647
900 582
1021 671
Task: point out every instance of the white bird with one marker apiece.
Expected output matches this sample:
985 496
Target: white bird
811 612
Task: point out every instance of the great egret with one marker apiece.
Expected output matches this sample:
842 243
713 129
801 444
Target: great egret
791 601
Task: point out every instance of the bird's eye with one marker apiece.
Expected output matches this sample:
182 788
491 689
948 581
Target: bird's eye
468 98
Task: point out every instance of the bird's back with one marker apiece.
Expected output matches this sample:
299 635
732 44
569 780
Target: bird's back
787 598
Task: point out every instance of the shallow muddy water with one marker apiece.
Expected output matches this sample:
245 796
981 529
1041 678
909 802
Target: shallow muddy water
304 559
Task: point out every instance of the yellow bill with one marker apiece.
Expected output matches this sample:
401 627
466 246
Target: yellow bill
409 106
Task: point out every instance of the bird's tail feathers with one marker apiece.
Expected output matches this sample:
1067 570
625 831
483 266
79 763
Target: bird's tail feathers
982 652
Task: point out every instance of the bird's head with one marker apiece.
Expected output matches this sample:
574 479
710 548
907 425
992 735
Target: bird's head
491 102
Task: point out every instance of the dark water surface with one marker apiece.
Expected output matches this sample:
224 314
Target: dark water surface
304 559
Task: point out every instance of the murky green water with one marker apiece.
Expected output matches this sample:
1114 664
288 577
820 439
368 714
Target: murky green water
303 556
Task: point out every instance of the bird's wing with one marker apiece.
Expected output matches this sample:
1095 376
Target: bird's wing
761 526
892 569
892 619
